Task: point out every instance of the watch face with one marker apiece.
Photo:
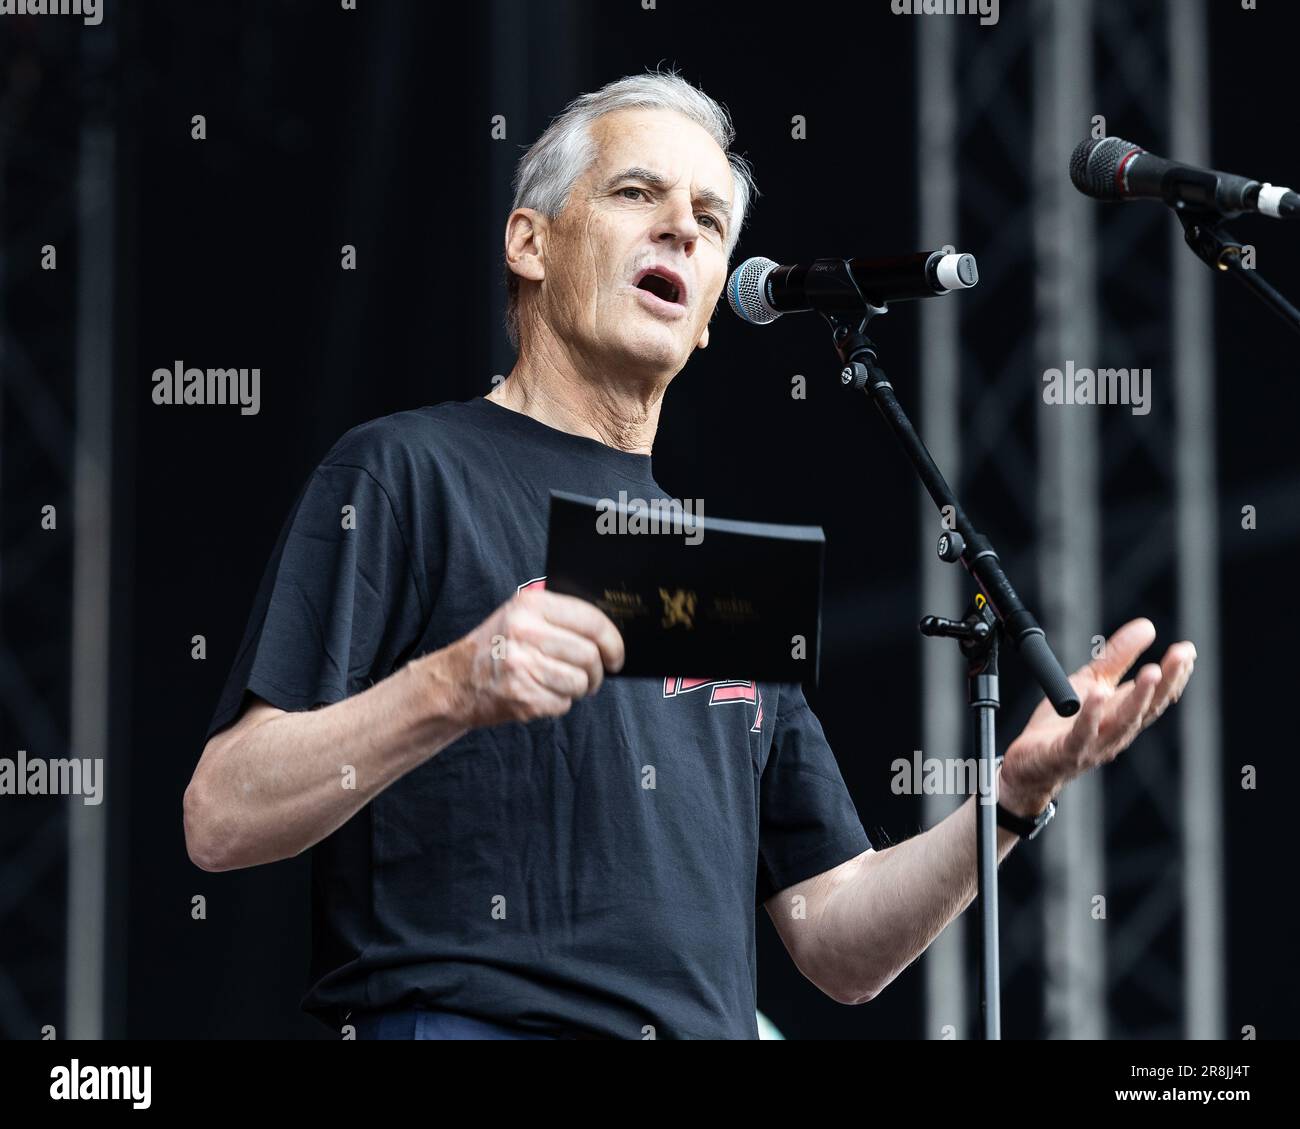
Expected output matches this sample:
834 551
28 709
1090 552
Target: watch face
1044 819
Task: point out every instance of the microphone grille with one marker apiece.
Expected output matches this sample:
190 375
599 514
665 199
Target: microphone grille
1094 164
746 291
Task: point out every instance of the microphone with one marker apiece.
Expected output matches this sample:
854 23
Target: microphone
760 291
1109 168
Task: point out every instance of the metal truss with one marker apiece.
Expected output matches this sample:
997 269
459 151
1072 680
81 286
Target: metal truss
1078 487
56 351
38 207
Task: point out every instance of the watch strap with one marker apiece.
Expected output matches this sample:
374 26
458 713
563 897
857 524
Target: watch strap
1025 826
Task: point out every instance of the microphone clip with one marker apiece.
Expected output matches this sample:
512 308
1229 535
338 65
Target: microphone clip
1204 233
856 349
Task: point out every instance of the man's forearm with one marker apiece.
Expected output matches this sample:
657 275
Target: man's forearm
270 791
275 783
896 901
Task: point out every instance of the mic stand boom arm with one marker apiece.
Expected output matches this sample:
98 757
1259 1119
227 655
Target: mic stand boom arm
995 611
970 547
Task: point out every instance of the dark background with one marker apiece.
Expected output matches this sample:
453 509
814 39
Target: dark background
328 127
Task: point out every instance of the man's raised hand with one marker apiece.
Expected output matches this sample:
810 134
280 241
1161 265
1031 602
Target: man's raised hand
1052 750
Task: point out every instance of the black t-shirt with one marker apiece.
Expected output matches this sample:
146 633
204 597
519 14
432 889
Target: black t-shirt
597 872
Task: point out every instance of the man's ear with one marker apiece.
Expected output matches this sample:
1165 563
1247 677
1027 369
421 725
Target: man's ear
526 232
703 342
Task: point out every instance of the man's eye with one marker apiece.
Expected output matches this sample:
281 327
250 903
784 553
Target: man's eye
638 191
705 215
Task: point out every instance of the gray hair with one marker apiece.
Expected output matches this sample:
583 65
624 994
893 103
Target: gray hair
548 171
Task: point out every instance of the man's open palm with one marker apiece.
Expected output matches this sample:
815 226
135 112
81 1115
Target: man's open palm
1052 750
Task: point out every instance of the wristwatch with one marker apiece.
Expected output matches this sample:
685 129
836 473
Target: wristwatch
1021 825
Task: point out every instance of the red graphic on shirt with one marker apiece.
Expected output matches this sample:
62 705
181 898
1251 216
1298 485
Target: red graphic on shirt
725 690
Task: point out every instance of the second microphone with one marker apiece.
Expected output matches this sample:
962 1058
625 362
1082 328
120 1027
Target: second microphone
760 291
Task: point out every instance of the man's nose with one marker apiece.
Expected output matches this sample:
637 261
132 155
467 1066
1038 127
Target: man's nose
676 223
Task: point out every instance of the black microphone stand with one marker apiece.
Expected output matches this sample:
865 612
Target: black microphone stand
1204 233
995 611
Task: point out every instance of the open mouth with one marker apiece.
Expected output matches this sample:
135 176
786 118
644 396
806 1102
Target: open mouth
663 284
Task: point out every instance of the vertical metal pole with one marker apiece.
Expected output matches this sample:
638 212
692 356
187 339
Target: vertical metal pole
87 824
943 717
1198 715
3 243
509 85
987 855
540 60
1068 503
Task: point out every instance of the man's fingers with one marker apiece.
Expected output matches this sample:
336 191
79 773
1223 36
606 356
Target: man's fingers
586 619
546 704
1087 722
559 677
1127 708
574 649
1176 669
1123 648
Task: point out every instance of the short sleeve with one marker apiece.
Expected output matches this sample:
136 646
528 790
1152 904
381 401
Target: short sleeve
807 821
338 607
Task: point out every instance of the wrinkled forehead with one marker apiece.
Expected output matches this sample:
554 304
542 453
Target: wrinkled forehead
663 142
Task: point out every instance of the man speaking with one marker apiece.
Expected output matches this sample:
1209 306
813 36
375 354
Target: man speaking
413 706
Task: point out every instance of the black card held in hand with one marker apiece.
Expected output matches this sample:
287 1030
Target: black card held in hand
692 596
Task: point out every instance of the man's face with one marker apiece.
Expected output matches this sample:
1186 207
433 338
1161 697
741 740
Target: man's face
658 197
